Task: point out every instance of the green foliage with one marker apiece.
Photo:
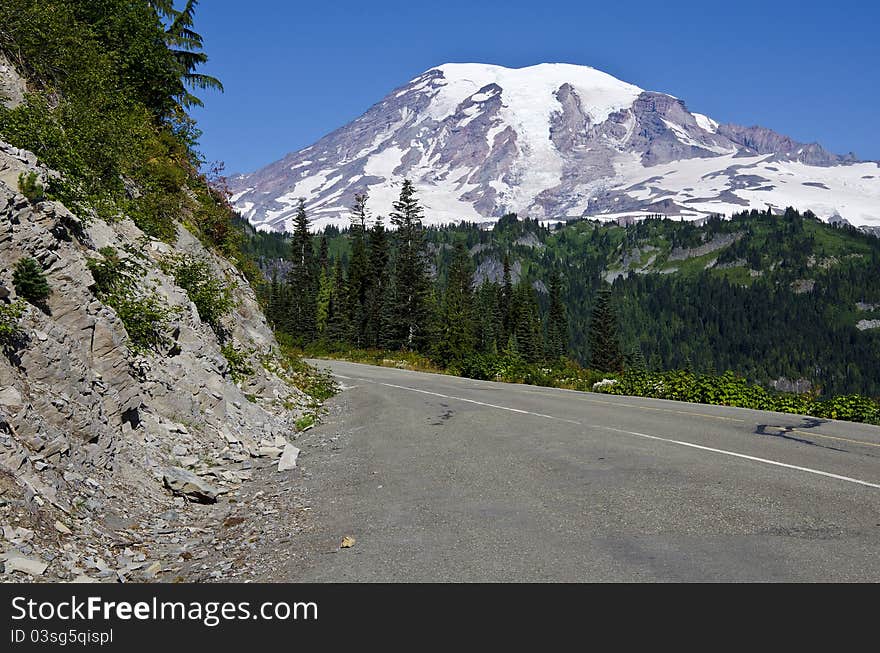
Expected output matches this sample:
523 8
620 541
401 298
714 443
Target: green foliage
30 187
299 316
146 318
239 364
411 283
731 390
604 334
118 284
113 273
211 295
29 281
454 336
109 112
304 422
289 365
12 336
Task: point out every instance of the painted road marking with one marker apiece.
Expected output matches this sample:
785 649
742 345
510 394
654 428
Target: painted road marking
723 452
482 403
629 405
664 410
809 470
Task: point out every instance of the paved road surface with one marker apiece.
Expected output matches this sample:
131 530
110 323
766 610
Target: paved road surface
446 479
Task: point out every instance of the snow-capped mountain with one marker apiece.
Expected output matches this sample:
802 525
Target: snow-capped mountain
552 141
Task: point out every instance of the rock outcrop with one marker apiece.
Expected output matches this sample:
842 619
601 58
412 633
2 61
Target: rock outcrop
98 442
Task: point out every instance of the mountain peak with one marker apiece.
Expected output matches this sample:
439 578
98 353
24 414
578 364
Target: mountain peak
552 141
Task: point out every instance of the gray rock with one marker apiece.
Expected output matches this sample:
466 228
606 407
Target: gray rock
288 458
30 566
190 486
10 397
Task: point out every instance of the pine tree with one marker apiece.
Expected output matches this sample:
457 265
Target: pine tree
412 284
604 337
30 283
525 322
302 280
506 298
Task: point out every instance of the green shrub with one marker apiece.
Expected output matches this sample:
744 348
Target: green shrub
212 296
854 408
289 365
112 273
146 319
145 316
239 366
729 389
31 188
12 336
29 281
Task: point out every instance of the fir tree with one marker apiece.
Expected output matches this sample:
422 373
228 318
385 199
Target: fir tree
324 303
604 337
359 278
557 322
30 283
337 326
323 260
412 285
302 279
488 318
455 333
379 315
506 297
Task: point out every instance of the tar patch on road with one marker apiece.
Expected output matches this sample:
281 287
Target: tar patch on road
444 416
785 433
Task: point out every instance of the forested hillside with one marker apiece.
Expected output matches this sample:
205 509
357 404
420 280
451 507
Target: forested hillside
778 298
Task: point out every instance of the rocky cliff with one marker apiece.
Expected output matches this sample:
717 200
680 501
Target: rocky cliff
105 451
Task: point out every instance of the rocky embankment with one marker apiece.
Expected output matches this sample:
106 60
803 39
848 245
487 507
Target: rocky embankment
115 465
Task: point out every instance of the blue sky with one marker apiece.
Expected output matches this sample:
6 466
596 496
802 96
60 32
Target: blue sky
294 71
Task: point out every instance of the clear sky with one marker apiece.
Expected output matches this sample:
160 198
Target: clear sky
295 71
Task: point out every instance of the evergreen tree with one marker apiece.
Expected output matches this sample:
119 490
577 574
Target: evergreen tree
379 305
30 283
506 297
324 303
412 285
359 278
302 279
323 256
337 326
488 318
274 308
604 336
455 330
557 322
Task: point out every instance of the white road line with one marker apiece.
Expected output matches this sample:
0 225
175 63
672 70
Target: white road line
481 403
809 470
723 452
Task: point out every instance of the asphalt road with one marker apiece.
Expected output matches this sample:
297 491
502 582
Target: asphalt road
440 478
